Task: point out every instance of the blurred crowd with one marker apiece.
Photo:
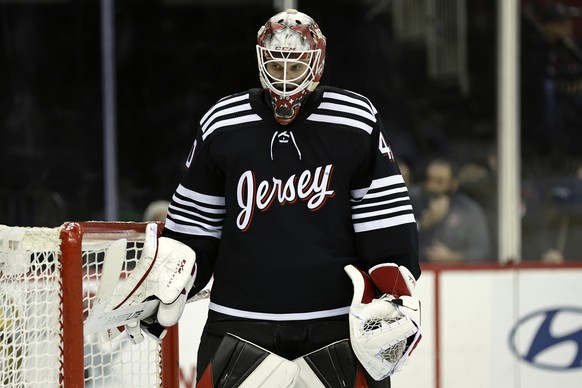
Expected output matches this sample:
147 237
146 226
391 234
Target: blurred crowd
455 195
444 137
456 210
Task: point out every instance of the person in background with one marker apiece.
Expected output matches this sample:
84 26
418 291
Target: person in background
478 180
452 226
406 173
564 79
564 220
156 211
551 83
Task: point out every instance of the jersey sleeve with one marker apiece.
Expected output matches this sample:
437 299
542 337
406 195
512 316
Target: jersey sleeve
197 208
382 213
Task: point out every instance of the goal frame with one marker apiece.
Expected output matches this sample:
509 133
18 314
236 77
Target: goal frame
71 235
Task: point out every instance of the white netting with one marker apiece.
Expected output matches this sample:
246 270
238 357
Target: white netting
117 362
31 322
392 352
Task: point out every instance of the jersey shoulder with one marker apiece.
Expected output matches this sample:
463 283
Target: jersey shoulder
330 92
344 109
230 112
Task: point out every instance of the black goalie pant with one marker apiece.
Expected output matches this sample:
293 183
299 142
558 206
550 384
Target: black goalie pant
288 339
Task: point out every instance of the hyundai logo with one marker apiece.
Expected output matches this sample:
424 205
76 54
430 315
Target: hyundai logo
549 339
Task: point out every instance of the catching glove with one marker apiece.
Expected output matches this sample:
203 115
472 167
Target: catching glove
384 330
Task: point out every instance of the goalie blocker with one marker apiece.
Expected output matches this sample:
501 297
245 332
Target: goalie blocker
165 273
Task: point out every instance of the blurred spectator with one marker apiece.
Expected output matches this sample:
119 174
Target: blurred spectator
156 211
452 226
564 220
406 173
564 78
478 182
551 82
478 179
534 235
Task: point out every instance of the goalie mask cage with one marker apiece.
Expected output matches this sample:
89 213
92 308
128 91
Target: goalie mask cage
48 280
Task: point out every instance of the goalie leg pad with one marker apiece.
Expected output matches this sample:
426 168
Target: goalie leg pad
239 363
331 366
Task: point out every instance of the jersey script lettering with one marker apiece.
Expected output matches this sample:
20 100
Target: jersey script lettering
312 187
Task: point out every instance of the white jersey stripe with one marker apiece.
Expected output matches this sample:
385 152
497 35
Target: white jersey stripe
340 120
226 101
380 203
193 230
196 196
205 209
177 217
384 223
195 214
374 111
385 193
347 109
391 180
224 112
233 121
382 212
278 317
387 181
358 194
351 100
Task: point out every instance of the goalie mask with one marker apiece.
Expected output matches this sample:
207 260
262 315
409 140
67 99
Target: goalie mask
291 57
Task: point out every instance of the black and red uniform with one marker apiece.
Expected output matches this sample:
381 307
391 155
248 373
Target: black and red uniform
275 212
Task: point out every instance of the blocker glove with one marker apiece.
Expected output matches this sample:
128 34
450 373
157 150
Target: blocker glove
166 272
383 331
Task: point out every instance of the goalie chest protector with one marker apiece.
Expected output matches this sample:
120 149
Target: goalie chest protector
281 204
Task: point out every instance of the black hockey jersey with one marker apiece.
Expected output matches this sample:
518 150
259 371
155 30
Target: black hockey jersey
275 212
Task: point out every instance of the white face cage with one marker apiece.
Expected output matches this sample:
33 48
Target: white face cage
288 83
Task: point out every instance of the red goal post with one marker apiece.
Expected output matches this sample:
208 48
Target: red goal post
48 279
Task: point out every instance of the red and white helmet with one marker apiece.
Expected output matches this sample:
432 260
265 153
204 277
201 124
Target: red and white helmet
289 38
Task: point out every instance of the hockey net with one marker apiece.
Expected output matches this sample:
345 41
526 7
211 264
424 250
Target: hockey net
48 280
